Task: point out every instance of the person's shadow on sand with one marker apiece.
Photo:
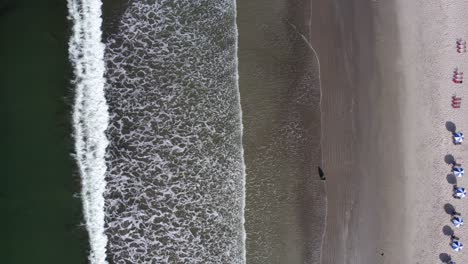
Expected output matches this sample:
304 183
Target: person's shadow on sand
451 126
445 258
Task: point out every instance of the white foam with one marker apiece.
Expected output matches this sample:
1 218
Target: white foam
243 169
90 117
176 182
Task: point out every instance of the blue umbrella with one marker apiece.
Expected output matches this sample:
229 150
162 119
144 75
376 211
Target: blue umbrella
458 171
456 245
458 137
457 221
460 192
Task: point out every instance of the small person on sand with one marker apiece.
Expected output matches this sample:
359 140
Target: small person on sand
321 174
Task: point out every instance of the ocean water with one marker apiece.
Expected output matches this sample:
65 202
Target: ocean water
175 179
40 218
159 137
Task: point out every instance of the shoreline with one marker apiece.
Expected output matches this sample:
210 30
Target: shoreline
280 105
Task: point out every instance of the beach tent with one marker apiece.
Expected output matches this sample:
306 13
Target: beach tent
460 192
457 221
458 171
456 245
458 137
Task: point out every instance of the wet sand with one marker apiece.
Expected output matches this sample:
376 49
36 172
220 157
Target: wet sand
361 129
280 95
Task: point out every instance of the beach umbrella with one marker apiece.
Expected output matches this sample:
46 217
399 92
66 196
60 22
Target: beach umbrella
457 221
458 171
460 192
458 137
456 245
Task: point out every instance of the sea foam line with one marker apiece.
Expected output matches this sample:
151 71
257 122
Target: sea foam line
236 56
90 117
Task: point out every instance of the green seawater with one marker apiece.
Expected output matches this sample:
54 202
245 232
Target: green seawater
40 219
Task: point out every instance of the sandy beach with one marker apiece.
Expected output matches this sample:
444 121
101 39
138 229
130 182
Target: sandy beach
430 38
386 98
360 132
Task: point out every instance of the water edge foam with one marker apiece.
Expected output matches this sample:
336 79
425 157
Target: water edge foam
90 117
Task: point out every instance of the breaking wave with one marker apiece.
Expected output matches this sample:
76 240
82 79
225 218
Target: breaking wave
90 117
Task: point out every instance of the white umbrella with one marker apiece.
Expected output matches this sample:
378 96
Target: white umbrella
458 137
456 245
458 171
457 221
460 192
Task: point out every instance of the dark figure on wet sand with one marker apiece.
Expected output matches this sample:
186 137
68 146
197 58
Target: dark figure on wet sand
321 174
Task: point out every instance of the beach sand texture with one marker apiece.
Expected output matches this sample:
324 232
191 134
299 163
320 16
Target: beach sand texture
279 86
360 132
429 57
386 95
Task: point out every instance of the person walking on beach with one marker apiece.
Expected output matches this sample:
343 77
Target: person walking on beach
321 174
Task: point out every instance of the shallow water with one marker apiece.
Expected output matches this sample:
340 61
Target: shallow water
175 184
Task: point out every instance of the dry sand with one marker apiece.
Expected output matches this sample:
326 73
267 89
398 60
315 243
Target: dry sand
386 93
428 32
